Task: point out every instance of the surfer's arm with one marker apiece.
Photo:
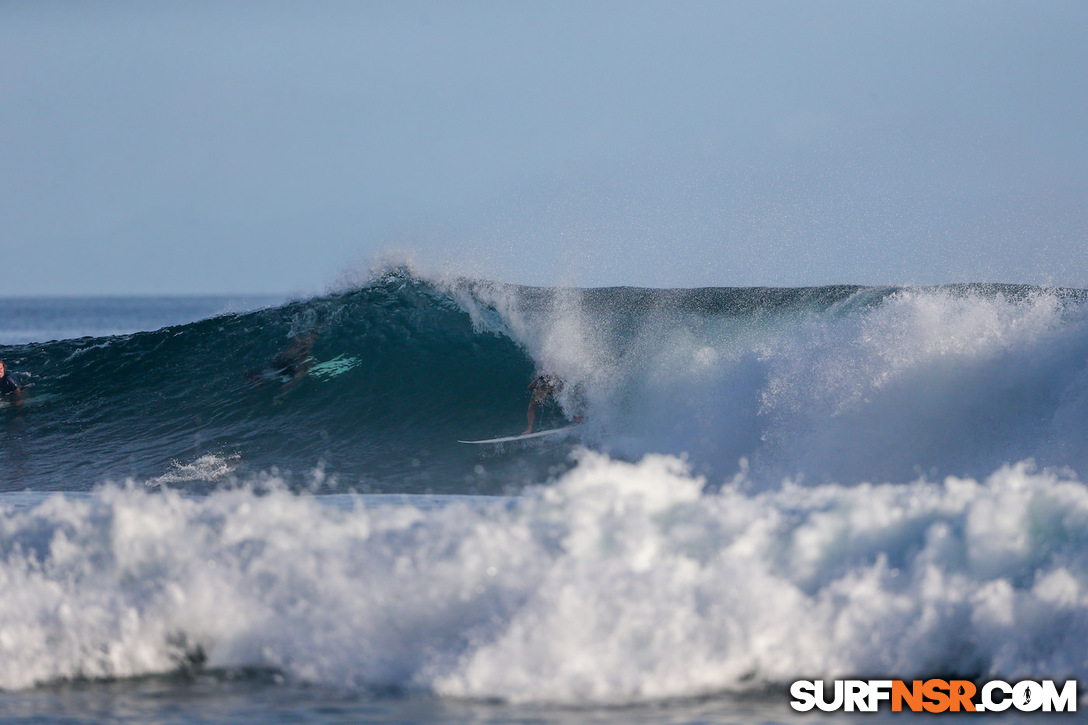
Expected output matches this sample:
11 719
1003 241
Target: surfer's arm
531 415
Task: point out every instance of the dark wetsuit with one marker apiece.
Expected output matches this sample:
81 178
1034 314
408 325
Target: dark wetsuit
9 385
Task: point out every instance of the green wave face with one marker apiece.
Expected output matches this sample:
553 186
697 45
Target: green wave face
371 389
394 372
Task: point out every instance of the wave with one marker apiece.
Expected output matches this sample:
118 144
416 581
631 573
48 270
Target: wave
842 384
620 583
396 373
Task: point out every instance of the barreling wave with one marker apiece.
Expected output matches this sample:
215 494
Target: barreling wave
395 373
835 383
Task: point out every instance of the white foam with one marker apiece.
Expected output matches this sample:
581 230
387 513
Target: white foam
949 381
621 582
208 467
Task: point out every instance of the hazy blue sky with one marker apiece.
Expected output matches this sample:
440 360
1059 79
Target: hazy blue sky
187 147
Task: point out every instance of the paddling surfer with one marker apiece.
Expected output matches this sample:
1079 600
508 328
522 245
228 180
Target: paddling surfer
10 390
288 367
294 362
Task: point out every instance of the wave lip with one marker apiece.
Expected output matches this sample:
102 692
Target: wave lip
623 582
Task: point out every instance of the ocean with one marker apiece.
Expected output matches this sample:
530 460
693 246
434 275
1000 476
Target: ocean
243 510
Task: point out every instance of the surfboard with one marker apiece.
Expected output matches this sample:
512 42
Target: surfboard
320 370
29 399
510 439
332 368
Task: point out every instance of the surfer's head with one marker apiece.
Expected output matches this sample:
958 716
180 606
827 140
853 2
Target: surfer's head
2 368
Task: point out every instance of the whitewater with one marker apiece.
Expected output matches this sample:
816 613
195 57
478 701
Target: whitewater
770 485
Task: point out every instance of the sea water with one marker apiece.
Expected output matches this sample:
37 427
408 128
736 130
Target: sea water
769 485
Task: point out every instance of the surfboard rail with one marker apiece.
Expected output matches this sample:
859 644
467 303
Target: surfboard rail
511 439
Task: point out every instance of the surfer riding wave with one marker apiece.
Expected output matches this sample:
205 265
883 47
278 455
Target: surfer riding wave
543 387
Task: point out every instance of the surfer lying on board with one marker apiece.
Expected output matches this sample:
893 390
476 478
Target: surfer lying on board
9 387
544 385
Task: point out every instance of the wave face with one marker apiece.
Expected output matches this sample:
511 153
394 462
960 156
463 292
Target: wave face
833 384
398 375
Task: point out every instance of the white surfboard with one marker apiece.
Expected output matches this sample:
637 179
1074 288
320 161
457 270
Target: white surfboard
538 434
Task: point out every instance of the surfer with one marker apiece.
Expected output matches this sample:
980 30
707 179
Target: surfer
543 386
289 366
294 362
9 386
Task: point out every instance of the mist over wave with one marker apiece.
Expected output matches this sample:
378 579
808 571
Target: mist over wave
838 384
832 384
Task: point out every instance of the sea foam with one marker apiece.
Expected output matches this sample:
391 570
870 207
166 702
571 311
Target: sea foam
873 384
620 582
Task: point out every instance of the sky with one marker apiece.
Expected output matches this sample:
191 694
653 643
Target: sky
249 148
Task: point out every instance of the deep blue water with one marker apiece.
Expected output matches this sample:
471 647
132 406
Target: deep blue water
28 320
